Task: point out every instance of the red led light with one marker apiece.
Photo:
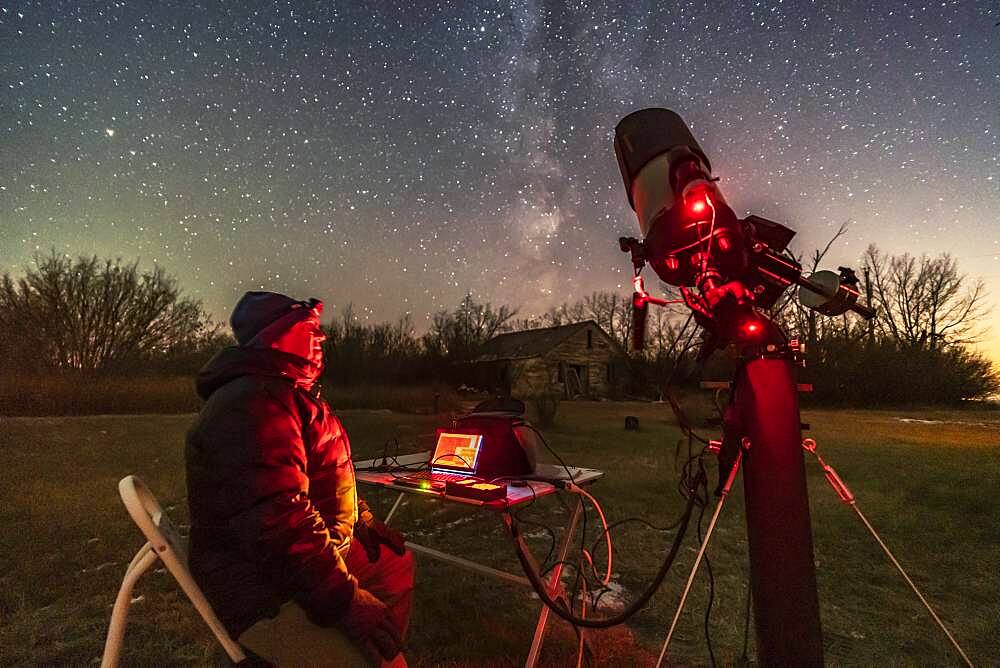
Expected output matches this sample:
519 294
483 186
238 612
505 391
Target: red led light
697 201
752 327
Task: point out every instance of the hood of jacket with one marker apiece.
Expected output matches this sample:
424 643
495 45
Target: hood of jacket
236 361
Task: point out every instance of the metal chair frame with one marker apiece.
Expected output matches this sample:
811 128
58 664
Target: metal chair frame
164 542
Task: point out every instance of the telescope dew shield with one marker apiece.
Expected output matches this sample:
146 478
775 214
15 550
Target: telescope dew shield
669 185
648 145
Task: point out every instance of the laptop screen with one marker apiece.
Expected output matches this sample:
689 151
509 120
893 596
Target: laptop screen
456 452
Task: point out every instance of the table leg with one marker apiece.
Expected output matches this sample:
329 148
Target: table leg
553 586
470 565
392 511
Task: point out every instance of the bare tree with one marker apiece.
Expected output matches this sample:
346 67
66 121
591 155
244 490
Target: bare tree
457 334
925 302
89 314
663 327
357 352
612 311
564 314
807 322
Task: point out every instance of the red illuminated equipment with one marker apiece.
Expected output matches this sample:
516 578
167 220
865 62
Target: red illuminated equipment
508 448
729 272
727 268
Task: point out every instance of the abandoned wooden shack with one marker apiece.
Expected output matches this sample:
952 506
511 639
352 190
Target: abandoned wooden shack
576 360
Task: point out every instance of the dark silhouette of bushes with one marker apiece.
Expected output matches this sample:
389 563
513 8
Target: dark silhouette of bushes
92 336
884 373
97 316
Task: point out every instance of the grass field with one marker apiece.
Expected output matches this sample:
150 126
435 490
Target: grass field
63 394
929 487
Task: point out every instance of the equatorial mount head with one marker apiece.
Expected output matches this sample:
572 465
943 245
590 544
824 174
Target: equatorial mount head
730 271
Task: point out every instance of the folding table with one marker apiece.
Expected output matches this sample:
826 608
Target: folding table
374 472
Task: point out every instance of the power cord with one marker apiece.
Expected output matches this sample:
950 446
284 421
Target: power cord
690 493
573 487
516 514
601 623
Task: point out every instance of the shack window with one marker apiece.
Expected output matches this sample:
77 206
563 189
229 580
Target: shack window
611 373
590 339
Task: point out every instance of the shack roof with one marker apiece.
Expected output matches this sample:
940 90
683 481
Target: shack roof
530 342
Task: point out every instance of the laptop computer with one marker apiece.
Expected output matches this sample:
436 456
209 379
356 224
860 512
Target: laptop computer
455 458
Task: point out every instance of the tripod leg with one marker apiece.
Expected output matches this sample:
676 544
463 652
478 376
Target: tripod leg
845 494
701 554
913 586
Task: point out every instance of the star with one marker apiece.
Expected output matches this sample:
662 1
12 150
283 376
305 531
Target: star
312 147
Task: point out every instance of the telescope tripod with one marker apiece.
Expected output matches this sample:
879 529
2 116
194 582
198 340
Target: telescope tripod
782 571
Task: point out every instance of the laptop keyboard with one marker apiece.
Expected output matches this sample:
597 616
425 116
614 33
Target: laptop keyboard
435 476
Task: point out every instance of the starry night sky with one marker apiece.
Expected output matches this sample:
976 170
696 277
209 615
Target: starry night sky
398 156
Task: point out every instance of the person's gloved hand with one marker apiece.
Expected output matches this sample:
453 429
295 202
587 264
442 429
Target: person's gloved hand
368 625
389 537
371 533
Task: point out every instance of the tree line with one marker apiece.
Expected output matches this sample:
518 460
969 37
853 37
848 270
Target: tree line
103 316
919 348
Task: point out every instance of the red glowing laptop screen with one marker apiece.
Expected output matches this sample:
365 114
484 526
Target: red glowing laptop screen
457 452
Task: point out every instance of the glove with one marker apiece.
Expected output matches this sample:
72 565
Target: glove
368 625
371 533
389 537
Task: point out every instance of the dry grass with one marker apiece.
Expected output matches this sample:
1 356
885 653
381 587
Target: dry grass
84 394
401 398
56 394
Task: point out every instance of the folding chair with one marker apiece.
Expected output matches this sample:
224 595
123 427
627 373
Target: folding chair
165 543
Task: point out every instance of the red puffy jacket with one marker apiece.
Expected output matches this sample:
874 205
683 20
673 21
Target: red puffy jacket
271 491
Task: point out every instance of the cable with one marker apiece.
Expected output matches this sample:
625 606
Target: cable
618 523
385 467
521 548
583 538
549 448
682 422
573 487
516 514
711 234
604 522
703 482
541 589
420 468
